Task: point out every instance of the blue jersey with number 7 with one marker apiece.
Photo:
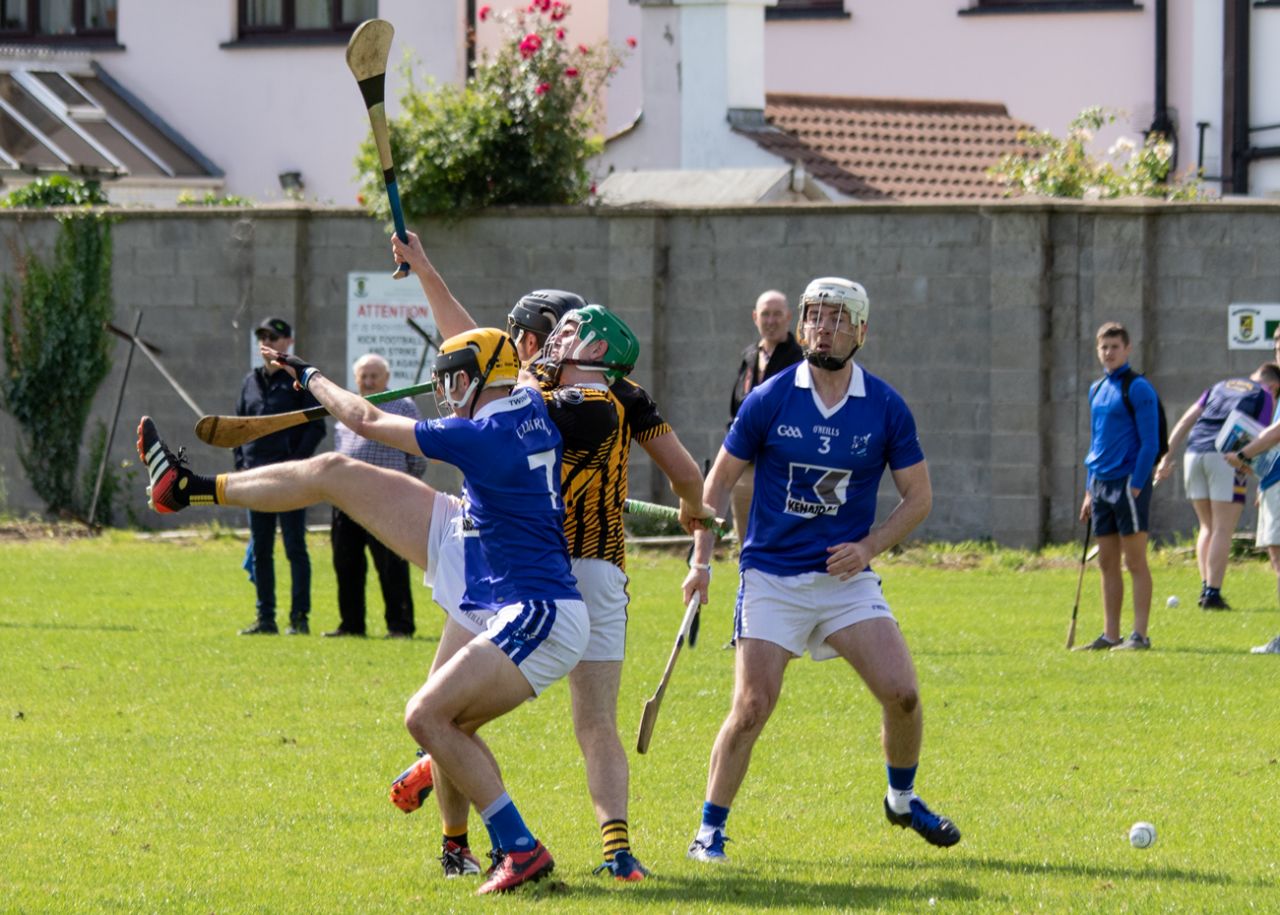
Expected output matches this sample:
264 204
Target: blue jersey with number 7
817 467
509 455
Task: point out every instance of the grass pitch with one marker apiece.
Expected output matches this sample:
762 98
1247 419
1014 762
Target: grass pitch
153 761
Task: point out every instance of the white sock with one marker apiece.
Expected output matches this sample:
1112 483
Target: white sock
706 833
900 801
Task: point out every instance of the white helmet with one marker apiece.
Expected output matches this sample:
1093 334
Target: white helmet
833 291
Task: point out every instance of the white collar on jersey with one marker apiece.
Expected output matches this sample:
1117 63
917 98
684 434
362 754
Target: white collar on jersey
517 399
857 387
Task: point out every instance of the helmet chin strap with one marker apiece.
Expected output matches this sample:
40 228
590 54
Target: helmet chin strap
828 362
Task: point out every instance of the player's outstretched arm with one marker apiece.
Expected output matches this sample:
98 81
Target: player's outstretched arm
1177 438
349 408
715 497
682 472
448 312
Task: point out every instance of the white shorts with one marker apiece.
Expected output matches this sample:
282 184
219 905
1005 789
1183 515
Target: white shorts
604 590
544 638
1269 518
446 573
1207 475
800 611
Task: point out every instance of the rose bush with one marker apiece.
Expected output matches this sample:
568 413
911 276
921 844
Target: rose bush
520 131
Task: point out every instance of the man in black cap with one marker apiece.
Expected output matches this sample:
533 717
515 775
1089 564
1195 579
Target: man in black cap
268 390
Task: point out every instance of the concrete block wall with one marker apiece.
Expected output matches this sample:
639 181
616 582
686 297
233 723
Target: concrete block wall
981 316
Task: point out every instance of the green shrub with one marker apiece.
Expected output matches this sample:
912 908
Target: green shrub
1054 167
55 191
521 130
57 352
211 199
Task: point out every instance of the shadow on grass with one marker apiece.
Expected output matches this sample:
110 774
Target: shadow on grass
84 627
1145 872
767 892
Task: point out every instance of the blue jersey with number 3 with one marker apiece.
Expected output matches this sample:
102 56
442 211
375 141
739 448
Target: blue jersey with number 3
817 469
509 455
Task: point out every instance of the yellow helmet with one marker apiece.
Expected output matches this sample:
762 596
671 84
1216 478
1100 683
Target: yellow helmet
486 354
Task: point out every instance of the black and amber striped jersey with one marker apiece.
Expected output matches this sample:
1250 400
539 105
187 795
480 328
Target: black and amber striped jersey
597 426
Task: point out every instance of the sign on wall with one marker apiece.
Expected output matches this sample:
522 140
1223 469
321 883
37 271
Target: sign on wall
378 312
1252 326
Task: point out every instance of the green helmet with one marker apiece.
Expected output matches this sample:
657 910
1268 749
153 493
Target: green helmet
595 322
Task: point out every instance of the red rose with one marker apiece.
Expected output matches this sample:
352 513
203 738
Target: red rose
631 42
483 12
559 34
557 11
571 72
543 88
529 46
584 49
544 5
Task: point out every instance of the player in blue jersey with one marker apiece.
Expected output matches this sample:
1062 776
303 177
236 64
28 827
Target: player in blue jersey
1215 488
1123 447
516 569
821 434
599 413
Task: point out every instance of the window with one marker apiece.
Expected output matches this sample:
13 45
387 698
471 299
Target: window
806 9
305 18
1050 6
58 21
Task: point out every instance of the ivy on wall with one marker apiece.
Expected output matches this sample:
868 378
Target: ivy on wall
55 347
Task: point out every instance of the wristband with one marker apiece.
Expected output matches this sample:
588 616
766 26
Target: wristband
305 379
1240 457
701 567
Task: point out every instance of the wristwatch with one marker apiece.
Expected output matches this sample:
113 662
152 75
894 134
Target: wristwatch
1240 457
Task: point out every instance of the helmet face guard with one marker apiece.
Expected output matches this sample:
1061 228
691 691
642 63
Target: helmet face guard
835 306
464 353
582 327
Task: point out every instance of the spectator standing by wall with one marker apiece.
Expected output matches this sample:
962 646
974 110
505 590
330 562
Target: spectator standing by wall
350 539
774 351
268 390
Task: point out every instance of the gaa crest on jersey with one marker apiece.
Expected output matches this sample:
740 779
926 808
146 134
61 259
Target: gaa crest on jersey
814 490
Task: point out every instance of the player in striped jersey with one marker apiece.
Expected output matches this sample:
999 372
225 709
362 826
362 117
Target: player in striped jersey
584 364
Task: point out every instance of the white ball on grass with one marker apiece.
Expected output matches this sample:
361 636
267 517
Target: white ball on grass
1172 601
1142 835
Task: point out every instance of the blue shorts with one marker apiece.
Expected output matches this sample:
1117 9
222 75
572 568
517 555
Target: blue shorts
1116 510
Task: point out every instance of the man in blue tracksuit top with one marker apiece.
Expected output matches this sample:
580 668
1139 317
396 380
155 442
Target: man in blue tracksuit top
1123 447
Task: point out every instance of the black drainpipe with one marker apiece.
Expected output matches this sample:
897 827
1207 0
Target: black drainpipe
1161 123
471 23
1240 99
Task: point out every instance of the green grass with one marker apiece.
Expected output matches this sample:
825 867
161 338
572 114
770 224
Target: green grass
153 761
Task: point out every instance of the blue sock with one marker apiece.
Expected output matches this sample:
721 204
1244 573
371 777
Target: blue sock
493 836
902 779
713 820
507 826
714 815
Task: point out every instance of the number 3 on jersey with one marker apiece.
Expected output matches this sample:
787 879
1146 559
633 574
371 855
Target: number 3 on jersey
547 461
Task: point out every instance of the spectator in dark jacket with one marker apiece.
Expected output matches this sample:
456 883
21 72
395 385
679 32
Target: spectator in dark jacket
774 351
269 390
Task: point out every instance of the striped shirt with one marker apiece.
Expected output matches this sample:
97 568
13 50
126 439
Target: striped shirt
598 425
379 455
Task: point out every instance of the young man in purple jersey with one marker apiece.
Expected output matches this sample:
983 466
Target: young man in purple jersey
1215 489
516 568
820 435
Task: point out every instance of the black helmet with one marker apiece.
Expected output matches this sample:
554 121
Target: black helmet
541 310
